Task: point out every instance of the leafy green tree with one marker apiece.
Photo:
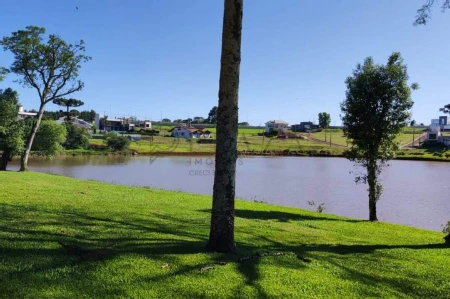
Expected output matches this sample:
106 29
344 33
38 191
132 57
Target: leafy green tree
412 123
166 120
244 124
424 13
11 130
74 113
88 116
212 116
221 235
324 122
116 142
3 72
376 108
68 103
49 138
76 137
11 142
50 66
52 115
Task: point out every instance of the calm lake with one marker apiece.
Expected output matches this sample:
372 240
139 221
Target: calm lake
415 193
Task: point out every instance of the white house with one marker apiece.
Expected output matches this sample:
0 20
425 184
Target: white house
277 125
434 130
23 114
189 132
147 124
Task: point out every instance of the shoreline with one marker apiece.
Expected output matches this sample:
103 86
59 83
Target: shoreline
285 153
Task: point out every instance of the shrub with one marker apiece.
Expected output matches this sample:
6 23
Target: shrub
49 138
446 228
206 141
117 143
76 137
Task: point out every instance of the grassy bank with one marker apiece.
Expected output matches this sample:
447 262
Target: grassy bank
144 229
255 145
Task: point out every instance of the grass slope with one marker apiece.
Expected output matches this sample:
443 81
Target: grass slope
149 228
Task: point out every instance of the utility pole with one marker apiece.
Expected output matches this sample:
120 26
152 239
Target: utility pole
330 138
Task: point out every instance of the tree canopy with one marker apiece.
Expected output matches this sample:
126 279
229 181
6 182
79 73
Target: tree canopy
68 103
324 120
424 13
212 115
376 108
49 138
50 65
11 130
3 72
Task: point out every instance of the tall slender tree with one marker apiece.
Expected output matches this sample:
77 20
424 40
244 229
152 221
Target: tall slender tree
423 16
376 108
221 236
50 66
324 122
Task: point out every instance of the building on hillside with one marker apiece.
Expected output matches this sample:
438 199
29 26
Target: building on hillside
22 114
304 126
434 130
189 132
277 125
146 124
113 124
77 122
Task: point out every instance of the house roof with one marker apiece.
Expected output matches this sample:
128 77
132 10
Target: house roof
190 129
80 123
27 113
115 120
276 121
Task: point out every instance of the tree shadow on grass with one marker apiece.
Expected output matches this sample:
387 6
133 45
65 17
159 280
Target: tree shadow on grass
282 216
150 237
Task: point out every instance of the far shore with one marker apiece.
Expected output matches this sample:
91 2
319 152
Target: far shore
411 155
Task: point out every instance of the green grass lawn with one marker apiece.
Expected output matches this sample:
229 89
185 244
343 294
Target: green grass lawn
337 136
144 229
245 143
248 141
241 130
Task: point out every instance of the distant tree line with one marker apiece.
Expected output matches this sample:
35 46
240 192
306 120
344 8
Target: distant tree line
211 119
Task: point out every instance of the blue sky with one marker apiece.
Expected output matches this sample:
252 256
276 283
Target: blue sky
153 57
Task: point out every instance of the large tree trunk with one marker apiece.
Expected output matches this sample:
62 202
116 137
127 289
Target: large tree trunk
221 237
374 191
5 160
26 153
